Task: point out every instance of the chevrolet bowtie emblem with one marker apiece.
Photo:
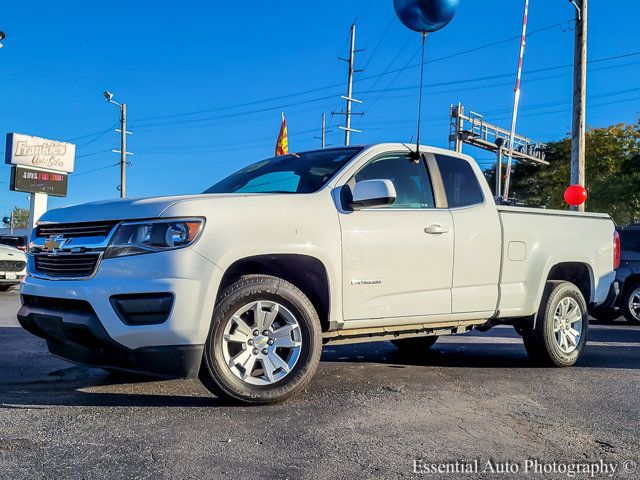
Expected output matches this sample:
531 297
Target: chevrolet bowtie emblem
54 243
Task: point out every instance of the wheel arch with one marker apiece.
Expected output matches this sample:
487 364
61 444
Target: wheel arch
578 273
306 272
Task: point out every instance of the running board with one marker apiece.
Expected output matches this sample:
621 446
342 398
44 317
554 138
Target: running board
398 332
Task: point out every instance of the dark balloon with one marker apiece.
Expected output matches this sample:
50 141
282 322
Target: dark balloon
575 195
425 16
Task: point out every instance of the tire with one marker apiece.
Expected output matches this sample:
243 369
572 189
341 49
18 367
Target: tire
415 345
630 298
543 344
5 288
287 356
606 314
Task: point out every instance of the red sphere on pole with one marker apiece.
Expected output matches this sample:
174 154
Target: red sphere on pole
575 195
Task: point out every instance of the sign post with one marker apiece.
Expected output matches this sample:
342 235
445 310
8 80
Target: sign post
39 167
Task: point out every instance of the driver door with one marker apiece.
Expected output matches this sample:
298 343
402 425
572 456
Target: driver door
397 259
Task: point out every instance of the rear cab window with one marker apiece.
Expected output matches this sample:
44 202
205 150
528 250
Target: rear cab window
460 182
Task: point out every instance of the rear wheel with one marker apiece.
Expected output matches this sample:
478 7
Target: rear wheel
415 345
562 325
264 344
5 288
631 304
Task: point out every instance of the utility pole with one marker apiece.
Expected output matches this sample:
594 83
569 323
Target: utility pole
123 150
323 132
123 142
578 127
349 97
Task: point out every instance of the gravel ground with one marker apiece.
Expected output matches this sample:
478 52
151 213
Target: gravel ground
369 413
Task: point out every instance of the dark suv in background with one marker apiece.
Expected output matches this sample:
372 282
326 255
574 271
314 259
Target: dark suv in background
628 278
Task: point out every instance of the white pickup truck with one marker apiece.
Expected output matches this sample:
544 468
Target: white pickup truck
242 285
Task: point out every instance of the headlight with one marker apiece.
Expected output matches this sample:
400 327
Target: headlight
136 238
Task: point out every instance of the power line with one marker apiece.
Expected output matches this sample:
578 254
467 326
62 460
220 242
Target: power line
378 45
97 170
92 154
428 85
502 84
465 52
91 134
332 86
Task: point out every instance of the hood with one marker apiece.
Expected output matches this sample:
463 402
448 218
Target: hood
121 209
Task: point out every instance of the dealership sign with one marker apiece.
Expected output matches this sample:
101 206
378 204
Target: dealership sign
39 152
30 180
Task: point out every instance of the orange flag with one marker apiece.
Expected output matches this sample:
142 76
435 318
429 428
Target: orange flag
282 145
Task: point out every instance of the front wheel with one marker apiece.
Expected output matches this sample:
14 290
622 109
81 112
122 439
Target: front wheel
631 304
561 328
264 344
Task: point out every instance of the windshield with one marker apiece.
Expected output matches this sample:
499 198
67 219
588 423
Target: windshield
304 172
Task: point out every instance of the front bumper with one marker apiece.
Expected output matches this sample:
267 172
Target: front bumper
108 340
612 298
77 335
11 278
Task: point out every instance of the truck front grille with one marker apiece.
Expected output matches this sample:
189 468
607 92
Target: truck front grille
12 265
66 264
73 230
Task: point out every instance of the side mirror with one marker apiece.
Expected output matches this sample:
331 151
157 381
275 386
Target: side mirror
373 193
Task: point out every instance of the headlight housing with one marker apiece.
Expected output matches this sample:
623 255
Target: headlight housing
137 238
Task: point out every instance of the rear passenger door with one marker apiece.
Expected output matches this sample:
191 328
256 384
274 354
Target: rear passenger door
478 236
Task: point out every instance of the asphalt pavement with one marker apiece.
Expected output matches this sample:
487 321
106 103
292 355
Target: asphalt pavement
370 412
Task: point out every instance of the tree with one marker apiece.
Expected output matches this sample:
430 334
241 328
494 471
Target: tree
613 174
20 217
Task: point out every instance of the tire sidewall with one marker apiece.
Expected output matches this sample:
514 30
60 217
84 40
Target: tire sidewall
290 298
557 356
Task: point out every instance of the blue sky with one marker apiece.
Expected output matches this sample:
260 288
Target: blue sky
241 63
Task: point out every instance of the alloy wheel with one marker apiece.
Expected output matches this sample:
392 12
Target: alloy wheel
567 325
261 343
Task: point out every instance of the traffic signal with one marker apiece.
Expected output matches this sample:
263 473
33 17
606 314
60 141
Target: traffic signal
6 220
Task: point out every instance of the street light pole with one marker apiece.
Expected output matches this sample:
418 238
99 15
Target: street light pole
123 142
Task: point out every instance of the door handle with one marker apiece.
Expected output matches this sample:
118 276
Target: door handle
435 230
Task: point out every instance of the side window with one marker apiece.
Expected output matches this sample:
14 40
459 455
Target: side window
410 179
460 182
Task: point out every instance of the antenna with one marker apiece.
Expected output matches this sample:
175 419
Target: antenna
416 155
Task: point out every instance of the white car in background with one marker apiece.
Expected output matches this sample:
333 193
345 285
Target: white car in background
13 266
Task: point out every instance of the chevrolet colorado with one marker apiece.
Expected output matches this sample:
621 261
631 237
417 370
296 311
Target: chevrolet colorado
242 285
